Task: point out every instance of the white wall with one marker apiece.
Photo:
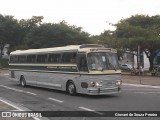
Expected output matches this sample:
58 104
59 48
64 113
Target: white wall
146 62
128 59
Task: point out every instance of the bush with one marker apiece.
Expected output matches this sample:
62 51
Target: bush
4 63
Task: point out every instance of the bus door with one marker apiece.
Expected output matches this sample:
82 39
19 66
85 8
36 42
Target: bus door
82 62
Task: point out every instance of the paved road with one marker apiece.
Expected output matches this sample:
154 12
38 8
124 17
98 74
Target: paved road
132 98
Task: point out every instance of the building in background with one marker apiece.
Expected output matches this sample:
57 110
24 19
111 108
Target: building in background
131 59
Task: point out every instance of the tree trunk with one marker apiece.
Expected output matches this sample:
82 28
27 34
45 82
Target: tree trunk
150 56
151 62
1 50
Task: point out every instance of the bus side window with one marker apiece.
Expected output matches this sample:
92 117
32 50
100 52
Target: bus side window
42 58
54 58
51 58
31 58
15 59
69 57
22 58
11 59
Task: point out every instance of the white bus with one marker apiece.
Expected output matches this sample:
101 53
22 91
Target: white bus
87 69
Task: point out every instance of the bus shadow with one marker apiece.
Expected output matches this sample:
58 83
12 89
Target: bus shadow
43 89
108 96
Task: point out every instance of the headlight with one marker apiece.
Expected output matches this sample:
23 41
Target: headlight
92 84
118 82
96 84
99 84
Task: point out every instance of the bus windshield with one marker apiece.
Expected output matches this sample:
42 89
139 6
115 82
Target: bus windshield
102 61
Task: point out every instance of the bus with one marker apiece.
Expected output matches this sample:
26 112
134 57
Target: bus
87 69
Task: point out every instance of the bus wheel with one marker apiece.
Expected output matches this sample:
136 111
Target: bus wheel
71 88
23 81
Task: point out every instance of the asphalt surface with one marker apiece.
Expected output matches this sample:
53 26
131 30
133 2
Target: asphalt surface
134 96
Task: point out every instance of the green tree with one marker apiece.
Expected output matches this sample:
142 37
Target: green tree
140 30
30 24
50 35
9 32
27 26
106 38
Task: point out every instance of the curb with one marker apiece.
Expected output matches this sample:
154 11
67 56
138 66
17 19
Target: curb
139 85
4 68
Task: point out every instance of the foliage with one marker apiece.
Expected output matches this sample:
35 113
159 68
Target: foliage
106 38
32 33
140 30
50 35
9 32
4 63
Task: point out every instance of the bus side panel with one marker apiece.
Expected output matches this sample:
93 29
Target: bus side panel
29 77
44 79
13 76
55 80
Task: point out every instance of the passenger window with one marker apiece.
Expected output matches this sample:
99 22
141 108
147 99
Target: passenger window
11 59
54 58
15 59
31 58
69 58
42 58
22 58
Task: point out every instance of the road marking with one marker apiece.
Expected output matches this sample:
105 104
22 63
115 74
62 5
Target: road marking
55 100
139 85
8 103
15 106
87 109
6 74
31 93
14 110
18 90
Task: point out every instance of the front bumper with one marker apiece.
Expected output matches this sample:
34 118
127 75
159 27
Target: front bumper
102 91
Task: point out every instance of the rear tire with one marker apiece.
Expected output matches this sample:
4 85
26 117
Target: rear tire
71 88
23 81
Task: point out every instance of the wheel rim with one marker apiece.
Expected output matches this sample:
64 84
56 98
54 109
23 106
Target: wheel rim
23 82
71 88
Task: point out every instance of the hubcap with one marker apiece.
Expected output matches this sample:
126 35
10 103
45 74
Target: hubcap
71 88
22 83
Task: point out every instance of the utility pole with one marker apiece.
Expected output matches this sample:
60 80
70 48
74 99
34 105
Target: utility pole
138 56
138 61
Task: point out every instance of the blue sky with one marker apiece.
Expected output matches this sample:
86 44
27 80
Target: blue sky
93 16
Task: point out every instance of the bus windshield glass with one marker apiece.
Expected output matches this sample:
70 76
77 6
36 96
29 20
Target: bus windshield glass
102 61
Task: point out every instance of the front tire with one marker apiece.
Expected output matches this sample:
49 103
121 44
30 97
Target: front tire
71 88
23 81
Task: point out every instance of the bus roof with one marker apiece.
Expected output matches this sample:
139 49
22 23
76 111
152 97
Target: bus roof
85 47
